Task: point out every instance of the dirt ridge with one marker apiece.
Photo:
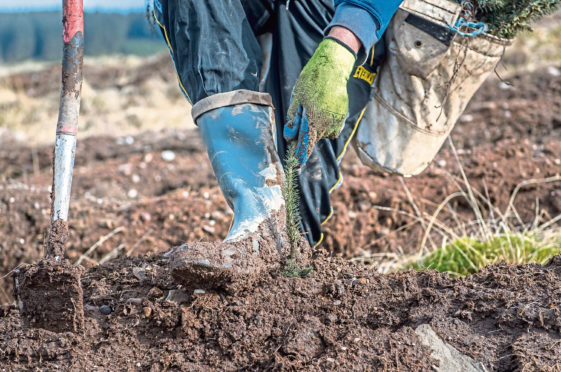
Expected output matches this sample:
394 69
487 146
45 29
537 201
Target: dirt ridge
343 317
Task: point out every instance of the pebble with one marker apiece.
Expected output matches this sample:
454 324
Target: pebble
177 297
135 178
199 291
105 310
126 169
139 273
553 71
147 311
129 140
155 292
330 318
209 229
132 193
168 155
466 118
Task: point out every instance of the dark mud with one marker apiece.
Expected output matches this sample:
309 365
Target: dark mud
49 295
343 317
236 265
58 235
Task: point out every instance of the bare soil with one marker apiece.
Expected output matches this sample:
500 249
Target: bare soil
343 317
136 197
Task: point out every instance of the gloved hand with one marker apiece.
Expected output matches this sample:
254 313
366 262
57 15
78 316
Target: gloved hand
319 101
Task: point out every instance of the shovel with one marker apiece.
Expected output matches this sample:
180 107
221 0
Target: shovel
49 293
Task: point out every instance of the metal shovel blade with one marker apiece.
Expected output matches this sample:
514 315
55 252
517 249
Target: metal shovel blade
49 294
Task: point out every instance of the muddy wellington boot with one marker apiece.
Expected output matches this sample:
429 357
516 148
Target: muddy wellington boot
241 147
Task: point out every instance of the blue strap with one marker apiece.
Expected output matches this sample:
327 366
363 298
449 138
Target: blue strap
478 28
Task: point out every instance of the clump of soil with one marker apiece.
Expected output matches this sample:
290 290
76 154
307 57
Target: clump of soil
343 317
49 295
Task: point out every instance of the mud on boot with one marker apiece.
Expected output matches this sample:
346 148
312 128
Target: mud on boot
237 128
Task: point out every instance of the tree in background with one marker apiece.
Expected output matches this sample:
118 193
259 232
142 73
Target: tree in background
37 35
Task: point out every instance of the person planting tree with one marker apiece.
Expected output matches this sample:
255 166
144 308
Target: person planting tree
240 109
301 96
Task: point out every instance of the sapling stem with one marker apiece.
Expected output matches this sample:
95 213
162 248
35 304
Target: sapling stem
292 202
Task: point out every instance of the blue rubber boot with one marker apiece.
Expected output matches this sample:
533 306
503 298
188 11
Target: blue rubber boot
241 148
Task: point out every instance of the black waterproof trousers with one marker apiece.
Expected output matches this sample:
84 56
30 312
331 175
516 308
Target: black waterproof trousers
215 46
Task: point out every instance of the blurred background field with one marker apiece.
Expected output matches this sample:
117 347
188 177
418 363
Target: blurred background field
129 82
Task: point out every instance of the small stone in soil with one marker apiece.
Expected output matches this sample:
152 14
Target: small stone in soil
105 310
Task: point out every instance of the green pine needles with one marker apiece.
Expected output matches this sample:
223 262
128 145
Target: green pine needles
292 202
290 193
506 18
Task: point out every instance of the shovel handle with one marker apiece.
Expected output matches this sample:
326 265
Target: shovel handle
67 125
73 36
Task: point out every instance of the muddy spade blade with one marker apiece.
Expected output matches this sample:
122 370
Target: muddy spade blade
49 294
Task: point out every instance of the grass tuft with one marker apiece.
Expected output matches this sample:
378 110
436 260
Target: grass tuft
494 235
468 255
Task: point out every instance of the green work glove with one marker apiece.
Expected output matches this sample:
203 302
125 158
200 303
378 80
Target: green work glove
319 101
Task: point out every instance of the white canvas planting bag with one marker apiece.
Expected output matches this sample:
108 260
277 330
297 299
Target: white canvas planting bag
428 78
